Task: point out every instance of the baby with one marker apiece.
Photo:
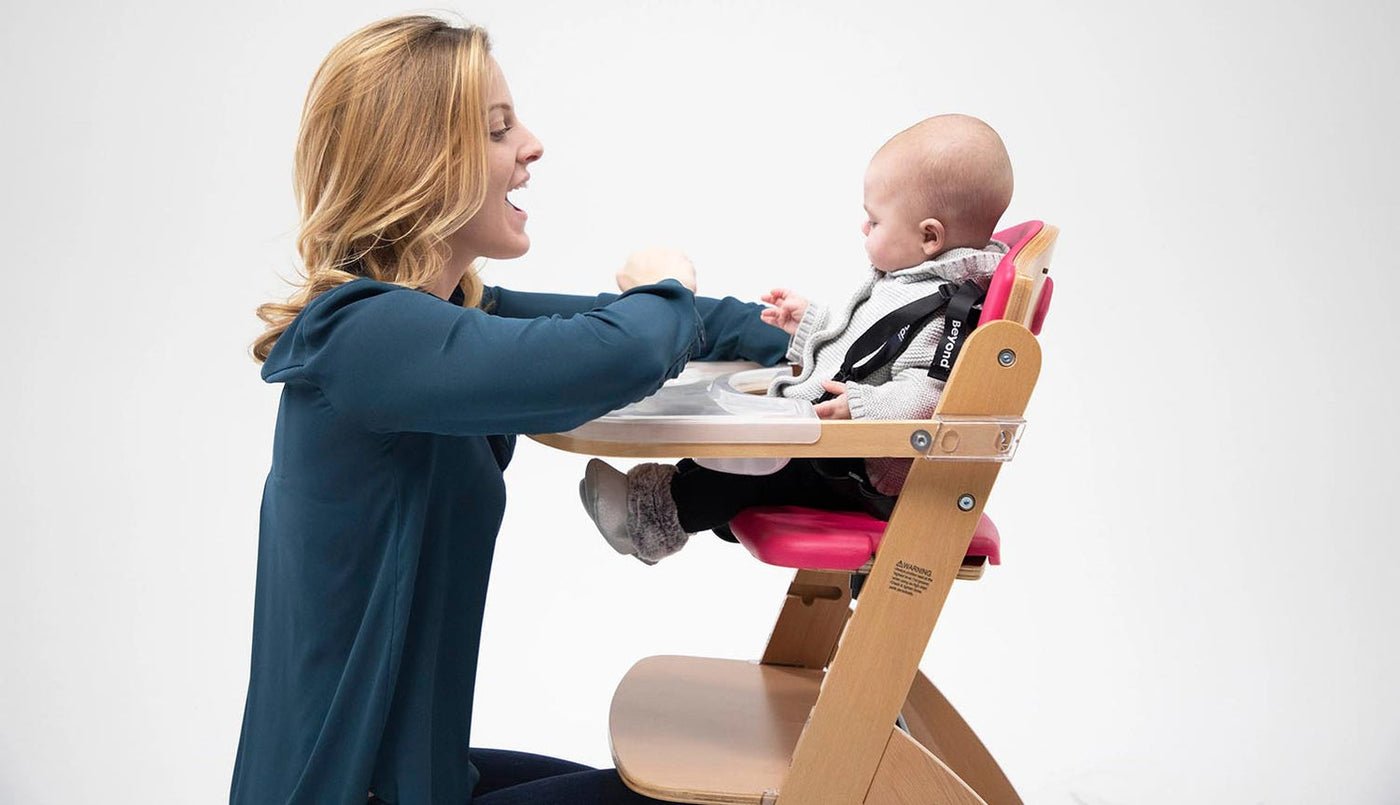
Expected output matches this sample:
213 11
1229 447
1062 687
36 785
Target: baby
933 196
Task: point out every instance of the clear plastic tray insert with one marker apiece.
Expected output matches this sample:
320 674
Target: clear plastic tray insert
711 403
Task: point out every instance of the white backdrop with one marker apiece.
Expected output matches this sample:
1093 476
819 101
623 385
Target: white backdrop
1199 597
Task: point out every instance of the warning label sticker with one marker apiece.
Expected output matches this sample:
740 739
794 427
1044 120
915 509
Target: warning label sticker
910 579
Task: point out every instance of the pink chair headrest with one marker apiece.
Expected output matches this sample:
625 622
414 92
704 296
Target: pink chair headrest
999 291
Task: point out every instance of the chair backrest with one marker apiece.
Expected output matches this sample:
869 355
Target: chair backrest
1021 288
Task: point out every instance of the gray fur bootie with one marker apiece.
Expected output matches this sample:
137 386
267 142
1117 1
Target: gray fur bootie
633 512
653 525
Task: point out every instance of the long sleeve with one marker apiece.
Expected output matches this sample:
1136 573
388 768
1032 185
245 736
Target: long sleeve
911 394
398 360
813 319
730 329
529 305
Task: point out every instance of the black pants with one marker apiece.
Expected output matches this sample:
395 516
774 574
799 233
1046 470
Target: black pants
706 499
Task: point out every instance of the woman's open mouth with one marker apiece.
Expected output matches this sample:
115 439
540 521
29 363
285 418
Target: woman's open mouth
521 186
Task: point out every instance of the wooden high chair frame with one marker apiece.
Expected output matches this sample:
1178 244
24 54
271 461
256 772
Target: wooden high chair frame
814 722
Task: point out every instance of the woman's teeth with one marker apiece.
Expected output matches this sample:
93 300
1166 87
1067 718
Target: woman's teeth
521 186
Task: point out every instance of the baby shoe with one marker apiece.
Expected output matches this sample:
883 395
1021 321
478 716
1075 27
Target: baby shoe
653 525
634 512
603 491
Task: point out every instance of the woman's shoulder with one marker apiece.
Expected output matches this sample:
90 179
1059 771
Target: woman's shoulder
354 292
357 304
366 297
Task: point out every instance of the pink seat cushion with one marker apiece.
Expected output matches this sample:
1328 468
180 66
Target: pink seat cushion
791 536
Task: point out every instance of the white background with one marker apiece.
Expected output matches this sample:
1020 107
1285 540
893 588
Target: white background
1199 597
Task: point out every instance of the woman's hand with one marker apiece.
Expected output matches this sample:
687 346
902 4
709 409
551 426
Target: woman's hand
838 408
786 311
650 266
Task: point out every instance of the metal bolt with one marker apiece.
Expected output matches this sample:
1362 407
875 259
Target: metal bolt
966 502
1007 357
921 440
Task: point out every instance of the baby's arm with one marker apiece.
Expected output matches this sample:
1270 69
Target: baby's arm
911 394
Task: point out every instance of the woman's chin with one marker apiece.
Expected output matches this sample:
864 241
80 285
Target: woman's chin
509 251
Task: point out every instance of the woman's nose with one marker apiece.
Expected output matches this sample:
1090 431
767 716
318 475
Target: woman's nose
532 151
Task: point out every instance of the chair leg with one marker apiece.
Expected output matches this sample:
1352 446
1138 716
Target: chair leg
934 723
909 774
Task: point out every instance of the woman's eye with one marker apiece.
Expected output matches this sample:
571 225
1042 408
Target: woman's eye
500 134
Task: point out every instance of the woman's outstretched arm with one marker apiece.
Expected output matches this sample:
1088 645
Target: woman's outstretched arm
730 329
399 360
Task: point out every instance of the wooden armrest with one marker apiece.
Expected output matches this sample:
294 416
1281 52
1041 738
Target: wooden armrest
839 439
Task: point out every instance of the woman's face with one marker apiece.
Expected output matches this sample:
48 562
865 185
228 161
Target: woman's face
498 228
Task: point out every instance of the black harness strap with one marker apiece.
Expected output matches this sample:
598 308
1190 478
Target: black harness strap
964 310
889 337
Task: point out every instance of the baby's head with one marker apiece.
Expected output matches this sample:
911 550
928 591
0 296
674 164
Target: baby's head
941 184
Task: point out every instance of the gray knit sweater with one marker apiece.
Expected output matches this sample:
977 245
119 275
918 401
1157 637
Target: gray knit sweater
903 389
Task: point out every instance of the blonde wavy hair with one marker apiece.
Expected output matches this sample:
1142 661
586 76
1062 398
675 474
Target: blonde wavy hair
390 160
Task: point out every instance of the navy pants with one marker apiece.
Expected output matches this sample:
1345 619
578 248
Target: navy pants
520 778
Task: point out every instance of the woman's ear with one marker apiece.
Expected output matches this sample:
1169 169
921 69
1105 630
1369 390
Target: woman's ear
934 236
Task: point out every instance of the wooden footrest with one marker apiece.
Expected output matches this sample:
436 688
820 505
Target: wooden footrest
703 730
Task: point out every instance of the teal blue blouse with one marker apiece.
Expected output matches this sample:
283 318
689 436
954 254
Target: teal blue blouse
380 512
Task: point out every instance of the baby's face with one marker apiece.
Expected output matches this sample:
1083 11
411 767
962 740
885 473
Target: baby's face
893 239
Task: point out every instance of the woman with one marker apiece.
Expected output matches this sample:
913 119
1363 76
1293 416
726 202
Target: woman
404 381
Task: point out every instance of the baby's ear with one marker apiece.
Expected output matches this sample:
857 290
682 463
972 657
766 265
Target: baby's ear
934 236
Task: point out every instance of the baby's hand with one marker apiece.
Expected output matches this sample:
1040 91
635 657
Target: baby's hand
786 311
838 408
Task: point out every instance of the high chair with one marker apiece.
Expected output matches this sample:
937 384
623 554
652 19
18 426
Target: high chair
837 711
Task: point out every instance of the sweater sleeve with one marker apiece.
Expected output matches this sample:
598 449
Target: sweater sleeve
399 360
911 394
813 319
730 329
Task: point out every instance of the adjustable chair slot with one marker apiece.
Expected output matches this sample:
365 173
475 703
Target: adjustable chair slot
809 593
